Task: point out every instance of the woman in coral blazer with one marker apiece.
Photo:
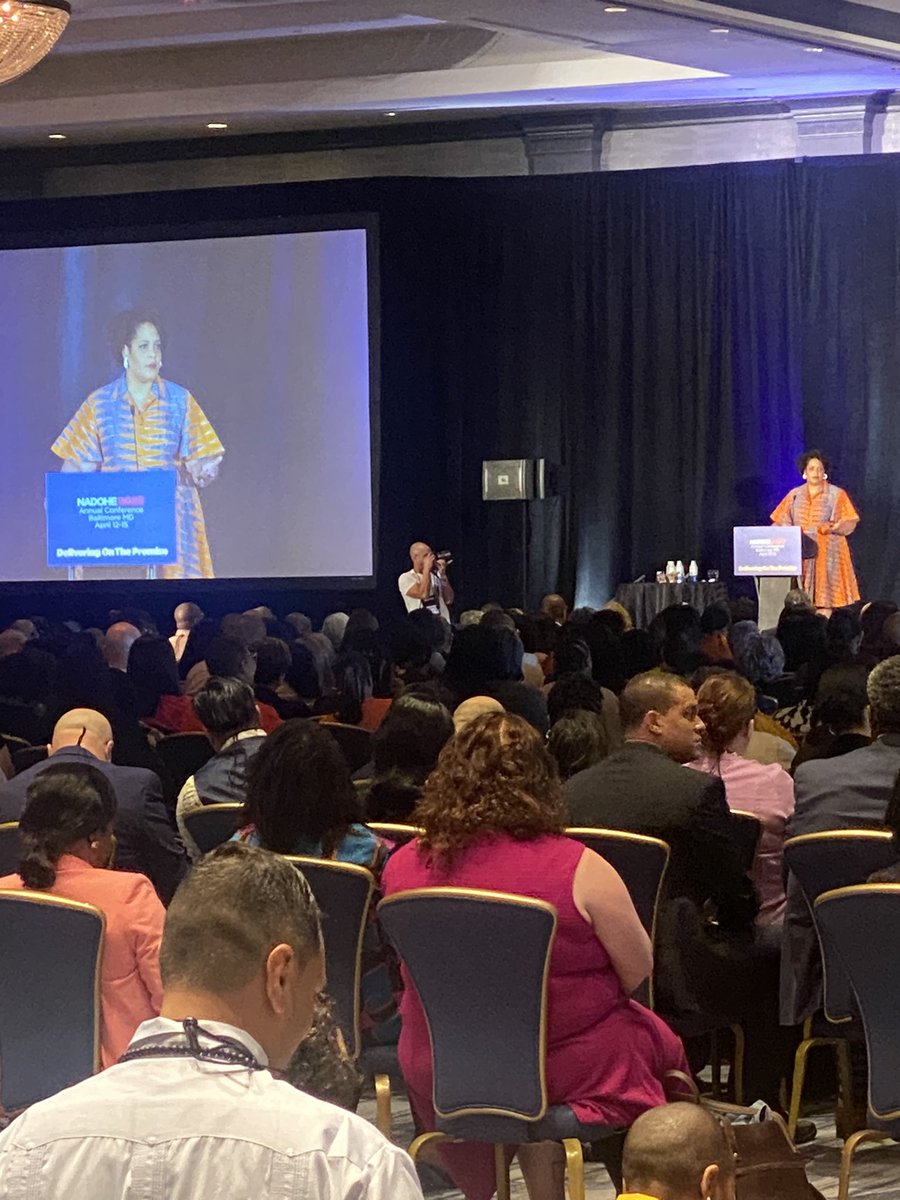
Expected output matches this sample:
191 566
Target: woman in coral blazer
67 842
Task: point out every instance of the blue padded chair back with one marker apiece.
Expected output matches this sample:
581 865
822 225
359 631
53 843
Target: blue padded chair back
343 892
10 850
479 962
821 862
212 824
355 743
746 830
859 925
640 860
50 951
184 754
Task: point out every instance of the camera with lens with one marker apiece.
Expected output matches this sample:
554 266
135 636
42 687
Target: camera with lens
446 555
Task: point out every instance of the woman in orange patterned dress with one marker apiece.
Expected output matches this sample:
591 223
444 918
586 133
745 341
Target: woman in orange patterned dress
142 422
827 517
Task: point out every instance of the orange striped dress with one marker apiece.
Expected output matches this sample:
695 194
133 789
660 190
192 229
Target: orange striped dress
828 579
110 433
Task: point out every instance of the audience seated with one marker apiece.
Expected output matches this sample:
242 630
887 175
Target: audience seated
186 616
849 792
715 623
214 1130
872 619
153 674
475 706
228 711
226 658
676 634
487 661
352 702
66 832
25 696
273 662
117 643
577 692
576 741
616 607
145 839
555 607
12 641
892 821
333 628
678 1152
726 705
603 634
405 750
702 976
840 715
300 800
192 664
493 817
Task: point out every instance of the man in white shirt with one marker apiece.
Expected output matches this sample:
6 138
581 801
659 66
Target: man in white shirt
426 585
192 1110
186 617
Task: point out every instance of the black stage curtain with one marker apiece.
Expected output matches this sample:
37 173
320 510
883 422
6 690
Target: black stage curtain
668 340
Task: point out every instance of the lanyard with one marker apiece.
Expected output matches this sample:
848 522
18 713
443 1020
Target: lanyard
225 1050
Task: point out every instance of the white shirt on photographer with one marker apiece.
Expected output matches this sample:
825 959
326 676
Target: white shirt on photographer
180 1129
409 578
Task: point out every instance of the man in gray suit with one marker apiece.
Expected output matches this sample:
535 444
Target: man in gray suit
848 792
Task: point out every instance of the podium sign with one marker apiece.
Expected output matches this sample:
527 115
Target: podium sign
122 518
767 550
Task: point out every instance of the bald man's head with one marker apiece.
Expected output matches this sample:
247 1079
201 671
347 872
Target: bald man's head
475 706
678 1152
117 644
84 727
418 552
188 615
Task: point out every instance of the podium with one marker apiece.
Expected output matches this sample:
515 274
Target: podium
111 519
772 555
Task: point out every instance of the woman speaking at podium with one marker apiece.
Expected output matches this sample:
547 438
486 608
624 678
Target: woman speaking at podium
827 517
142 422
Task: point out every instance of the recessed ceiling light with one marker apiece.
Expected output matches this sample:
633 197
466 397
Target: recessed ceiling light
390 114
615 8
720 31
217 125
56 137
813 49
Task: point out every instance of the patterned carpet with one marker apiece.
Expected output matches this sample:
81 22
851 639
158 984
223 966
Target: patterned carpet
876 1173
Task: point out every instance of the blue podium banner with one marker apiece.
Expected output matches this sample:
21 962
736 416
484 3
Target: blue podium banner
767 550
116 517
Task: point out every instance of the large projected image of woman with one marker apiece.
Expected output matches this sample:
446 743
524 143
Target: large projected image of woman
142 422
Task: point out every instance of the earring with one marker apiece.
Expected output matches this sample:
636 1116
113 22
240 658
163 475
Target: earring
824 476
125 361
94 845
804 473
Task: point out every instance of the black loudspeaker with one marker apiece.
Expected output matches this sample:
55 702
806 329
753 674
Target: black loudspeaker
513 479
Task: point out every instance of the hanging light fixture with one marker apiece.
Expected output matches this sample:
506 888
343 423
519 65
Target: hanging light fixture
29 29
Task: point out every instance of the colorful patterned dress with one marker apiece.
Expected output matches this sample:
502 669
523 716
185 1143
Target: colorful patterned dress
828 579
113 434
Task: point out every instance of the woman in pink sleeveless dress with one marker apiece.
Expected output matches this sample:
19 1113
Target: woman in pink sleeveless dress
493 817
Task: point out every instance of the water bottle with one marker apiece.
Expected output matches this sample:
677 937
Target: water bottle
693 571
670 570
679 572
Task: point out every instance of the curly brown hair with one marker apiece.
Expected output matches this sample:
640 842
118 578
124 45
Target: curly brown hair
494 776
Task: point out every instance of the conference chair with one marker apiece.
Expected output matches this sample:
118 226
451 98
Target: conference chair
343 892
10 849
183 754
212 824
859 926
49 1000
821 862
395 831
28 756
479 961
746 829
355 743
642 863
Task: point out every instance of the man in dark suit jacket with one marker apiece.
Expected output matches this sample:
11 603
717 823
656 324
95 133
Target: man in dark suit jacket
644 788
849 792
146 841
